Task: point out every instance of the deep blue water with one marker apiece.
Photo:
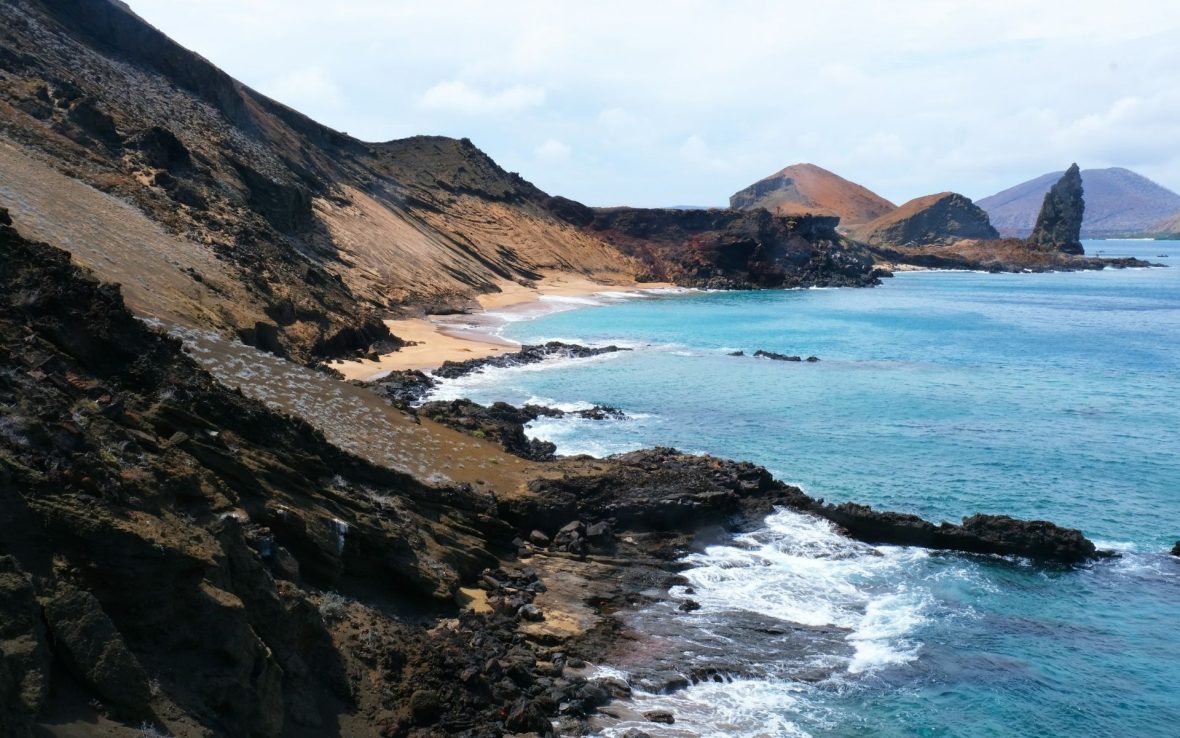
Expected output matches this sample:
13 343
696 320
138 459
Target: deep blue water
1051 396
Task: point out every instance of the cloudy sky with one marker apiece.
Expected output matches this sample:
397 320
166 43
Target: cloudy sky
682 103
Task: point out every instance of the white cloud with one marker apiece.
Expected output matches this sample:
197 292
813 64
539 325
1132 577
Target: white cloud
552 151
458 97
691 100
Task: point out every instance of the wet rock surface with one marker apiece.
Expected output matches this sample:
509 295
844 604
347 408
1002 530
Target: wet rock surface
526 355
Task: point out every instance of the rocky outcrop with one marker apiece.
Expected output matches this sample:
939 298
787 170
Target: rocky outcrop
928 221
87 641
985 534
736 249
1119 203
526 355
1059 224
805 189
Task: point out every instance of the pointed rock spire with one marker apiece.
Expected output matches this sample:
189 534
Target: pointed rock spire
1059 225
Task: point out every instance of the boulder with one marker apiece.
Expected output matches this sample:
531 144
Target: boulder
86 641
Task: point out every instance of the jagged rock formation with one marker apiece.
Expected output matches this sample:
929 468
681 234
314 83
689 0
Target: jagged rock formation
1060 223
928 221
805 189
1119 203
728 249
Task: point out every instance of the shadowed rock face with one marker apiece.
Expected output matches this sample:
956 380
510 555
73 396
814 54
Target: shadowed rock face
1059 225
928 221
735 249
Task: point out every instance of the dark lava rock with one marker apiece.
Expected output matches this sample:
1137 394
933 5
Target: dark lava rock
526 355
1059 224
987 534
689 606
636 733
425 706
403 388
660 716
737 353
929 221
737 249
1176 549
501 423
775 356
95 652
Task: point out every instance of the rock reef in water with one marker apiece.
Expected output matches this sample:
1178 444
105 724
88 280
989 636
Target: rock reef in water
1059 224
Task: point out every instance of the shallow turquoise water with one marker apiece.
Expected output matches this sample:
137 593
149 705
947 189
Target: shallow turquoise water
1045 396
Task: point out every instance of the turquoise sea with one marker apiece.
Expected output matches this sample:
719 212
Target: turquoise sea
1052 396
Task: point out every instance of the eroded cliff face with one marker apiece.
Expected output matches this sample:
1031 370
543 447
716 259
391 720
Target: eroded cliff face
1059 224
943 218
735 248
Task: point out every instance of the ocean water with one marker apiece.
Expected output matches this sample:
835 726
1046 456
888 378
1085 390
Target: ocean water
1052 396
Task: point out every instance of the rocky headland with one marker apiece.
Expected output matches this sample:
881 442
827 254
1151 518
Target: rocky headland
1054 244
735 249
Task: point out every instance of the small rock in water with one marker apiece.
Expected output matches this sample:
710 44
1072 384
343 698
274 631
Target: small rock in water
737 353
1176 549
689 606
660 716
636 733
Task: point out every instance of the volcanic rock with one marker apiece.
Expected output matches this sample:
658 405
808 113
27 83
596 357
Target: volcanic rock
926 221
803 189
1059 224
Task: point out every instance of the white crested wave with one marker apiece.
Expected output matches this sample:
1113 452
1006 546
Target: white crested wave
800 570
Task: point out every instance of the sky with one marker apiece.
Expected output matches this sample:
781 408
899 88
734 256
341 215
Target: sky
685 102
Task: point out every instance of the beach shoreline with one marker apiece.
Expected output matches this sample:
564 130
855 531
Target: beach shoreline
436 339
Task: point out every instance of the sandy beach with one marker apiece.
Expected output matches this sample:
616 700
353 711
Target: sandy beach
441 338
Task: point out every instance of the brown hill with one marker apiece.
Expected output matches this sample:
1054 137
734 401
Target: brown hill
945 217
807 189
1167 228
218 207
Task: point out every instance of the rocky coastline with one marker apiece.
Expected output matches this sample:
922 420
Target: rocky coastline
175 554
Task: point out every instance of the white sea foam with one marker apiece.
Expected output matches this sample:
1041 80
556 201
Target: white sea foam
798 569
743 709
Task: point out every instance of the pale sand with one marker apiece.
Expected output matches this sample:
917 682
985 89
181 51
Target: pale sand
455 338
